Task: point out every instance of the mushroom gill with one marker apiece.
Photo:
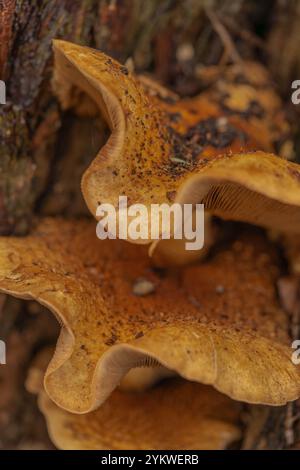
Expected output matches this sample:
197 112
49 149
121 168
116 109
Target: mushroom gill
216 148
206 419
218 323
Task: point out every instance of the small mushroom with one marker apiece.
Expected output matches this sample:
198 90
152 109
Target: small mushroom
216 148
238 341
174 415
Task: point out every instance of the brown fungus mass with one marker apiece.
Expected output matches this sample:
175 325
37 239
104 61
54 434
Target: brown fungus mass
236 340
215 148
206 418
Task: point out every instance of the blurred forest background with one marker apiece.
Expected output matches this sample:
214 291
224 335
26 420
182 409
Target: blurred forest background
43 152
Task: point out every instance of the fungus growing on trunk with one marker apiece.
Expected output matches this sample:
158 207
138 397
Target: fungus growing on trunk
215 148
234 338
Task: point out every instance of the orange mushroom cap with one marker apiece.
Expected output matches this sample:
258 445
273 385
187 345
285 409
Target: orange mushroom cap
215 148
218 323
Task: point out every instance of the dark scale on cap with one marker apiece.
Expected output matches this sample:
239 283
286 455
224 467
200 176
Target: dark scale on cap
112 340
124 70
214 132
254 109
171 195
139 335
175 117
295 173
